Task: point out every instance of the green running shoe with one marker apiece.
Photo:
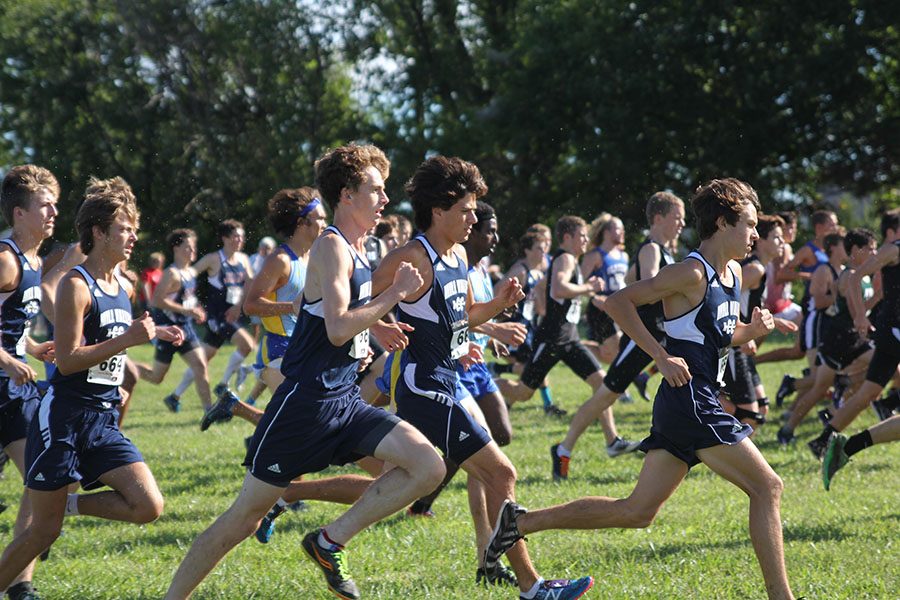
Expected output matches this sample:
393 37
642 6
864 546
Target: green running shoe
835 458
333 567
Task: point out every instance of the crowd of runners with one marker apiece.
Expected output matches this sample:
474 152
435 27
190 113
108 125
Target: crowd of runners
372 333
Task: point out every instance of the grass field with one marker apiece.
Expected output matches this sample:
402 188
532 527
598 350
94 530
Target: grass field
838 544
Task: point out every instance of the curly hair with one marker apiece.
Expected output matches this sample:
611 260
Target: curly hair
345 167
285 208
441 182
721 198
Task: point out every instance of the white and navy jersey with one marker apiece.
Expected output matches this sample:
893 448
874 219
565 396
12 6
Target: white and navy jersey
186 296
808 304
889 308
441 324
613 269
482 291
702 336
20 306
226 287
311 360
755 297
560 324
652 315
108 317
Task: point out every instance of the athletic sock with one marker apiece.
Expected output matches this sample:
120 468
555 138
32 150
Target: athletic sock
562 452
545 396
71 505
858 442
186 380
533 590
234 361
327 543
281 503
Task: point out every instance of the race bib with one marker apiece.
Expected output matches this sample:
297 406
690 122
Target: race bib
459 340
723 363
528 309
190 302
360 346
20 345
233 294
110 372
573 315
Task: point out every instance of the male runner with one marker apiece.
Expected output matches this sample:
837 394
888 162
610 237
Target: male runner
75 437
701 303
441 311
665 214
316 416
28 197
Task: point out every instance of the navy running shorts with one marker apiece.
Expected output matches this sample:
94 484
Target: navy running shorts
573 354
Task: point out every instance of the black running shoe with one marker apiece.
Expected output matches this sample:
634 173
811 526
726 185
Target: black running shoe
220 389
784 390
505 535
817 447
560 464
266 528
841 383
640 382
220 411
825 416
882 409
552 410
505 577
22 591
172 403
785 436
333 567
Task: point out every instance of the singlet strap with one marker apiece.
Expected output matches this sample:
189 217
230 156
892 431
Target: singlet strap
12 244
287 249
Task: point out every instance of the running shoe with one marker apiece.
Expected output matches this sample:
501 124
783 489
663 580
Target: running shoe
266 528
817 447
784 390
172 403
333 565
626 398
220 389
552 410
560 464
883 409
298 506
841 383
835 458
785 436
23 591
640 382
427 513
562 589
505 535
824 416
505 577
220 411
619 447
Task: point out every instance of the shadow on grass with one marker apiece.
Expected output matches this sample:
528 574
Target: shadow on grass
815 533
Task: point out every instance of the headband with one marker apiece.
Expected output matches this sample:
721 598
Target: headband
309 207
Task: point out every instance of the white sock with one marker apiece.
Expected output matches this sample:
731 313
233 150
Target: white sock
234 361
532 592
186 380
561 451
71 505
282 503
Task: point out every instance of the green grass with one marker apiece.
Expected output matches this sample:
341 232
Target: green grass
841 544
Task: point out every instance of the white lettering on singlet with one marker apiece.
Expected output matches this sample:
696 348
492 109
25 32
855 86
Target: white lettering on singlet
732 308
365 290
457 286
114 315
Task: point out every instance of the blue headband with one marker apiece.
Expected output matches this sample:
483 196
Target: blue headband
309 207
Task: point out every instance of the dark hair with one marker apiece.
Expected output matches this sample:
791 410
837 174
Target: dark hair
766 223
568 225
345 167
384 228
177 238
890 221
720 198
21 184
661 203
788 216
285 208
858 237
228 227
484 212
104 200
820 217
528 240
831 241
441 182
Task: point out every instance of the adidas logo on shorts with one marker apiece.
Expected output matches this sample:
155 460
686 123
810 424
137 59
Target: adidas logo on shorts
463 436
275 468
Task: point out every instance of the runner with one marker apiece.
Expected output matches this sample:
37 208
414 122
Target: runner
701 306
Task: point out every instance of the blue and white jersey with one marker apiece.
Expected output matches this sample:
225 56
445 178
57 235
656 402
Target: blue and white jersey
441 324
283 325
227 286
808 304
613 269
482 291
108 317
19 307
702 336
318 366
186 296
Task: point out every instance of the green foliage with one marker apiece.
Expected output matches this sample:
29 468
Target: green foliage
838 544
